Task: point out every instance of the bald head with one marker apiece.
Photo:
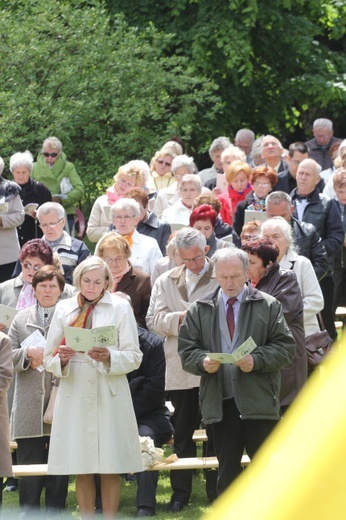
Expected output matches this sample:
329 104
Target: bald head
308 175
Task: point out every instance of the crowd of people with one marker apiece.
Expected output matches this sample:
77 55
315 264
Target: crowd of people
201 290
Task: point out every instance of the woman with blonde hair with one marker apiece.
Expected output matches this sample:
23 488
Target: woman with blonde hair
94 429
161 175
128 176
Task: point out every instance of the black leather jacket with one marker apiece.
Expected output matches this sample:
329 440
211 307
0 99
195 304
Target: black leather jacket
310 245
324 213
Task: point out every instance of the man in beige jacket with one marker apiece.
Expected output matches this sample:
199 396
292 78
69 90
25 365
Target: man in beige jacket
172 294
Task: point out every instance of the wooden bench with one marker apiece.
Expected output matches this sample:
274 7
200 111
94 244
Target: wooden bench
13 446
36 470
199 436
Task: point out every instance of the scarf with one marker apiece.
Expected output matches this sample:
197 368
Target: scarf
128 238
8 189
119 277
112 195
83 318
26 297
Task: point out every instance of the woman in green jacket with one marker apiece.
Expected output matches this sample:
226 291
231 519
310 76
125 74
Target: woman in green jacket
59 175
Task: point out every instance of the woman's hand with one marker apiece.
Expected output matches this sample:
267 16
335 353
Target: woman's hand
99 354
2 327
65 354
35 354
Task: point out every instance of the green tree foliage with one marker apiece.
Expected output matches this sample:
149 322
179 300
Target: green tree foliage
278 63
111 94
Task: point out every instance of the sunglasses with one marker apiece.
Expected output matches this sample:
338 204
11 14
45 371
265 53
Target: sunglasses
54 154
160 161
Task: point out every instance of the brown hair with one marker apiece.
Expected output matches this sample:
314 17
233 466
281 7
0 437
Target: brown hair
209 199
139 195
267 171
48 272
339 178
112 240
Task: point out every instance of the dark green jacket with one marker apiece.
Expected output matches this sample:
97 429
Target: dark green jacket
256 393
52 178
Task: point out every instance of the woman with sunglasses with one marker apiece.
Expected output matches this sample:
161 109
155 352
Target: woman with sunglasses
59 175
161 175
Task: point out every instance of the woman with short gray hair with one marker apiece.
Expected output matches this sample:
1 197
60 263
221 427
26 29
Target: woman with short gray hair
189 189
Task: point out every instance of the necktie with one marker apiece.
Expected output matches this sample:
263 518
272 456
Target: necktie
230 316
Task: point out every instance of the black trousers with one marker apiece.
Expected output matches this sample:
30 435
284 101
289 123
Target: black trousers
327 288
34 450
231 436
186 419
147 480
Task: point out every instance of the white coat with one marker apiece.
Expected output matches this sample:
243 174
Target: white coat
145 252
94 428
309 287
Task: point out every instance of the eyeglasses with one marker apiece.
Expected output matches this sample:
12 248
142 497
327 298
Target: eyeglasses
26 265
249 237
124 217
161 161
53 154
115 261
51 224
192 260
261 184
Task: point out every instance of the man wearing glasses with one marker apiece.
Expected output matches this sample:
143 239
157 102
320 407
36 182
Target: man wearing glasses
172 294
71 251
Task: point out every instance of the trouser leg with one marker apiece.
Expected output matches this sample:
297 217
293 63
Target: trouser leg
327 288
146 480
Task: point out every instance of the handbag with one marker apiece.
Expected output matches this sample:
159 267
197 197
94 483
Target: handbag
152 455
49 411
317 345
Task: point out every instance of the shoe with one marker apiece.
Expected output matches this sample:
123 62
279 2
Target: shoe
175 506
145 511
11 488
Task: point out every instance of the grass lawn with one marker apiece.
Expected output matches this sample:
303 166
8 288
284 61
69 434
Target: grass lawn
199 503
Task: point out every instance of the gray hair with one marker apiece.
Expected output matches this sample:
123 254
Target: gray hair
220 143
142 166
268 137
2 165
256 147
183 160
283 225
125 204
245 133
189 237
52 142
194 179
276 197
89 264
318 167
172 147
322 123
235 152
21 159
49 207
228 253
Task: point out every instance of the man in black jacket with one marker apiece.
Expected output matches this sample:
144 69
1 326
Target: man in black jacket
306 238
324 213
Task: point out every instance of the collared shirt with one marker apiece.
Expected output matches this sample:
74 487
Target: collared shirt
192 279
236 304
300 207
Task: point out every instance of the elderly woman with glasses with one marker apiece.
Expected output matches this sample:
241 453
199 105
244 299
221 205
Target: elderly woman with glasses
128 176
33 194
181 165
11 216
145 251
59 175
116 252
71 251
263 179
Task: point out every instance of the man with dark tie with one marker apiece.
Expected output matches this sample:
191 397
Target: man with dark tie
240 400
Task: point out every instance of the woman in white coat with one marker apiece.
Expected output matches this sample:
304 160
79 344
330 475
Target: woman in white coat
280 232
94 429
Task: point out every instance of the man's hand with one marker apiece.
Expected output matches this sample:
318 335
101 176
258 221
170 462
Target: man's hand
246 363
181 317
211 365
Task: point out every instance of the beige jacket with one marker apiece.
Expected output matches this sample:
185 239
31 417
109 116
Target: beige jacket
168 300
